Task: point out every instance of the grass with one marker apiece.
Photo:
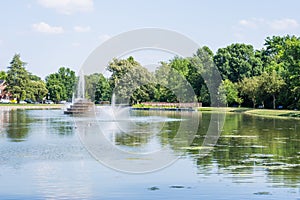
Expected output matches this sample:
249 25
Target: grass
14 104
275 113
148 106
257 112
30 106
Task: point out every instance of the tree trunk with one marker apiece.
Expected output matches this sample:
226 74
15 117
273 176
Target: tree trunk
253 100
274 102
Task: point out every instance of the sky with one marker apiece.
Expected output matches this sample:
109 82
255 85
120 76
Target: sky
49 34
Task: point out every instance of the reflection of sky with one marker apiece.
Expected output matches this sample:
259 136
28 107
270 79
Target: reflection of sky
51 164
63 180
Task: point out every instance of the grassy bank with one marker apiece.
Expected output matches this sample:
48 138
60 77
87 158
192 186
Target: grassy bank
257 112
29 106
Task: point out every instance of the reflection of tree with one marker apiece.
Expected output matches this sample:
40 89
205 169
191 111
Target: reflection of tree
17 129
132 139
61 127
249 143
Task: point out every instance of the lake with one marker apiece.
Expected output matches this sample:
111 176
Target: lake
45 154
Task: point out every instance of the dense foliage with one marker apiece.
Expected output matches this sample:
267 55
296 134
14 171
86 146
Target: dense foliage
269 77
22 84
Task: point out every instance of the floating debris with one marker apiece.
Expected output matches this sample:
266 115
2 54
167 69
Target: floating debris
262 193
262 155
153 188
177 186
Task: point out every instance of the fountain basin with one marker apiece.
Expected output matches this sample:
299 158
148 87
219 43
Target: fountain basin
80 106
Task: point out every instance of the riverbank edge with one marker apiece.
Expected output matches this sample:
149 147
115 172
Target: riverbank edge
281 114
30 107
270 113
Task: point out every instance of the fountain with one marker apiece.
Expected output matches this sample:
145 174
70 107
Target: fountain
80 105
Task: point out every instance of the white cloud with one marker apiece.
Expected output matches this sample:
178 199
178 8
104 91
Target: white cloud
104 37
284 24
68 6
82 29
46 28
278 25
248 23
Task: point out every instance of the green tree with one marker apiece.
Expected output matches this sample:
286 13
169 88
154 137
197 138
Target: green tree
250 87
291 59
37 90
130 81
103 90
238 61
55 88
3 75
228 93
181 65
281 54
199 64
271 84
61 84
97 87
173 85
17 78
68 79
164 93
120 67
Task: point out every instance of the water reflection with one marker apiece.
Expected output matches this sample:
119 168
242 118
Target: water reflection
17 125
249 145
254 156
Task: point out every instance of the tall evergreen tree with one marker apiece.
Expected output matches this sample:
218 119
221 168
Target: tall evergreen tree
17 78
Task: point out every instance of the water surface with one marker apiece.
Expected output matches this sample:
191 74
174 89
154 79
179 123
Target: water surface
42 157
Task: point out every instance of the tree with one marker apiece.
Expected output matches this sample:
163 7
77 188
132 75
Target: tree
291 59
120 67
103 90
130 82
199 64
181 65
37 90
250 87
68 79
281 54
97 87
3 75
271 84
55 88
17 78
61 84
238 61
204 77
228 93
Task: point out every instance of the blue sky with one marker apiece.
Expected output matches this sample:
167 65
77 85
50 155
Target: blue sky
53 33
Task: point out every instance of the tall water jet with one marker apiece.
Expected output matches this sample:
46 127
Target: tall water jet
80 105
81 86
113 100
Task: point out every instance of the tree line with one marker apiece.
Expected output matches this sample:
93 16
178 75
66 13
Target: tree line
268 77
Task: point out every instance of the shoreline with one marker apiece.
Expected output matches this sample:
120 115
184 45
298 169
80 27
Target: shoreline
270 113
30 107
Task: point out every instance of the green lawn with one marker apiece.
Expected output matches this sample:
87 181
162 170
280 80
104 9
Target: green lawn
15 104
258 112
